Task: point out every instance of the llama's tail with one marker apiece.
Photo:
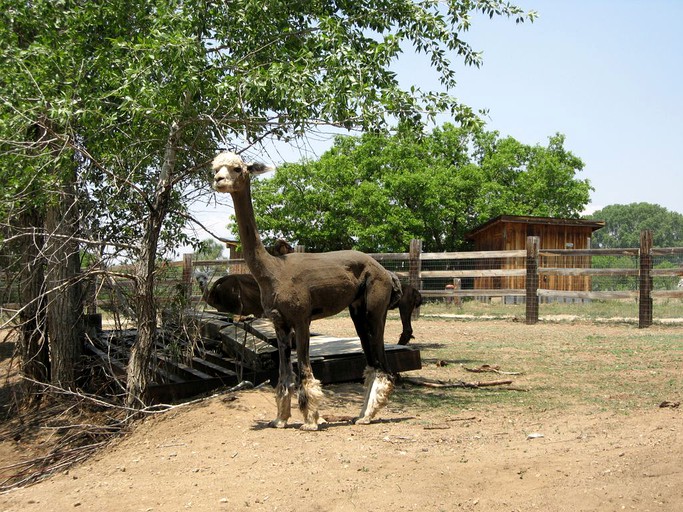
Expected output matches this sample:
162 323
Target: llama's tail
396 290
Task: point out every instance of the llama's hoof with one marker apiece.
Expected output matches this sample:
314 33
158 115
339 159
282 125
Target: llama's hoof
277 423
309 427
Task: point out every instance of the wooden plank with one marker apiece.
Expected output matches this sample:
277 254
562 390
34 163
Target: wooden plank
589 252
472 255
175 391
212 369
667 294
666 251
209 323
173 380
180 369
333 359
327 346
262 328
390 256
115 365
351 367
588 295
494 272
667 272
248 348
588 271
164 376
493 292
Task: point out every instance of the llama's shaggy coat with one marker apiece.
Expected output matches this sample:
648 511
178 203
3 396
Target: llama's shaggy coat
297 288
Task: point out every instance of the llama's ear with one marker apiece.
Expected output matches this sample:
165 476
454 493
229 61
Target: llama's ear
259 168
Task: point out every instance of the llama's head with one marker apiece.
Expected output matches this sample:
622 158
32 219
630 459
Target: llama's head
202 279
231 173
280 248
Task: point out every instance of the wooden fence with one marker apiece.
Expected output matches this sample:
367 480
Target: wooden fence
452 276
414 267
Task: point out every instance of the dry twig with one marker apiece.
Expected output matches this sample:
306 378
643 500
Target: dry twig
456 384
485 368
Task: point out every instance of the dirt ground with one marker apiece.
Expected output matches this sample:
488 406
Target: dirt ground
481 454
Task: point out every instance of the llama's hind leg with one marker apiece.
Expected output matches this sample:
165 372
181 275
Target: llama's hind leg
310 397
378 381
378 387
310 391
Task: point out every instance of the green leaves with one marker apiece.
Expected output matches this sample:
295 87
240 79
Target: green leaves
111 79
624 222
376 192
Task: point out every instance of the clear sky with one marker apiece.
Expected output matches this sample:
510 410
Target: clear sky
608 74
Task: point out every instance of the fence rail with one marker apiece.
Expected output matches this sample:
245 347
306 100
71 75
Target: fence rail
533 273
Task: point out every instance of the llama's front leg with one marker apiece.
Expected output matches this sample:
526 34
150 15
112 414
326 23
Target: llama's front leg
283 398
285 384
378 387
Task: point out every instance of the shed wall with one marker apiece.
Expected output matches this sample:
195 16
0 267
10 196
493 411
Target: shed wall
512 236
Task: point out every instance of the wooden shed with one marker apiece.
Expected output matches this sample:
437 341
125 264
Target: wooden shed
509 232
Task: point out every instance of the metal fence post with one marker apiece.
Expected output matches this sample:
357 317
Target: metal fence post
645 280
532 249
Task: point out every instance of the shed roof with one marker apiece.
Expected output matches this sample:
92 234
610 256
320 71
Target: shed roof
525 219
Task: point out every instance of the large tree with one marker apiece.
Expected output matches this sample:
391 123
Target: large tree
624 222
138 95
378 191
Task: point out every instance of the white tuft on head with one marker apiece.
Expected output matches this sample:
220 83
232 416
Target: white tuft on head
227 159
231 173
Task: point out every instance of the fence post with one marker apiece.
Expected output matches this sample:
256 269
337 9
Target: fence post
415 263
414 269
532 249
187 276
645 280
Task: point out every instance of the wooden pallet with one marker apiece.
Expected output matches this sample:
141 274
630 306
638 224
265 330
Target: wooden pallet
333 359
173 379
230 352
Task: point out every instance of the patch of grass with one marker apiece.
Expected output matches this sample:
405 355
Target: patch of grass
600 367
597 309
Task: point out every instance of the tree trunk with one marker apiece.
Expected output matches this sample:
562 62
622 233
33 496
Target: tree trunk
140 369
33 345
64 294
139 372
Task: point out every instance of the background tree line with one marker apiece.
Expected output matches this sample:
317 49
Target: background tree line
376 192
624 222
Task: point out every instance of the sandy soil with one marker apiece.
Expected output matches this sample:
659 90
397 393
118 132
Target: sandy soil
218 454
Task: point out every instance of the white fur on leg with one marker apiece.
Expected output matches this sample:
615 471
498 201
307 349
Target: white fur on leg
283 398
310 397
369 375
378 388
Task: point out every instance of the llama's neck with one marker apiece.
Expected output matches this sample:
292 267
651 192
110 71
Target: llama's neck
255 254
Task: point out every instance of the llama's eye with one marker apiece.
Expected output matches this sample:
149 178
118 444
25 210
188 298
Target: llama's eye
237 169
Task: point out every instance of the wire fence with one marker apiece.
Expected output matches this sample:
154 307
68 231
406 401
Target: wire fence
642 284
